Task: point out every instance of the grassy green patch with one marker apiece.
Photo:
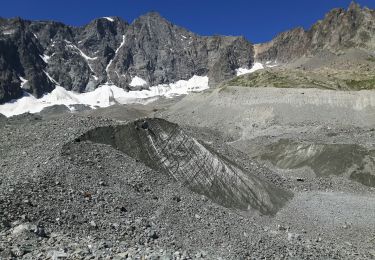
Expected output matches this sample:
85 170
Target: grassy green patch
371 58
285 78
361 84
279 79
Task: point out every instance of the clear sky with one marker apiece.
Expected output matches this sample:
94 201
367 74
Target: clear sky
258 21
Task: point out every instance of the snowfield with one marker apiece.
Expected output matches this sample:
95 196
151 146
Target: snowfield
138 82
256 66
104 96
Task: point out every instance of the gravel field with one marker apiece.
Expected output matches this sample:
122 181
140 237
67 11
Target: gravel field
66 197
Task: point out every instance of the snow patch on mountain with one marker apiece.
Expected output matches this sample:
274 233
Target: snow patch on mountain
50 78
109 19
256 66
110 62
138 82
104 96
8 32
23 82
45 58
86 57
122 44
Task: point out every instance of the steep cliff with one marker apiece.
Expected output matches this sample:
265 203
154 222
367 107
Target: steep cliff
36 56
339 30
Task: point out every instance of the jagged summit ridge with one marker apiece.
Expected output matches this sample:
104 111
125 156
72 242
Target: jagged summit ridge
37 56
110 50
340 29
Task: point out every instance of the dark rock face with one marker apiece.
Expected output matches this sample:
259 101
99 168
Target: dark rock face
160 52
2 119
109 50
9 63
19 57
339 30
76 58
228 54
284 47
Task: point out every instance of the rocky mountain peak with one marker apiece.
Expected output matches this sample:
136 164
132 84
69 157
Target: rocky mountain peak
101 22
45 54
339 30
109 50
152 22
152 15
354 6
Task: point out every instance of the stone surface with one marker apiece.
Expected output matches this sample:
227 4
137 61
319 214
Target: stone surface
47 54
339 30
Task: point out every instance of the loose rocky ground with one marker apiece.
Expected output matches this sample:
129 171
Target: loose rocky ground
62 197
325 132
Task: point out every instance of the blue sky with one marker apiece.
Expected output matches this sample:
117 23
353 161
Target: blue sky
258 21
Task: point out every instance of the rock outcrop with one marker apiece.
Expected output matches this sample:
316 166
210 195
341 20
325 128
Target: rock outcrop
339 30
36 56
21 67
161 52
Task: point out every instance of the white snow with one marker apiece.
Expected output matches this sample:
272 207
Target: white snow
122 44
84 55
117 50
90 67
109 64
87 58
45 58
271 66
80 51
256 66
182 87
104 96
23 81
50 78
109 19
137 82
9 32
